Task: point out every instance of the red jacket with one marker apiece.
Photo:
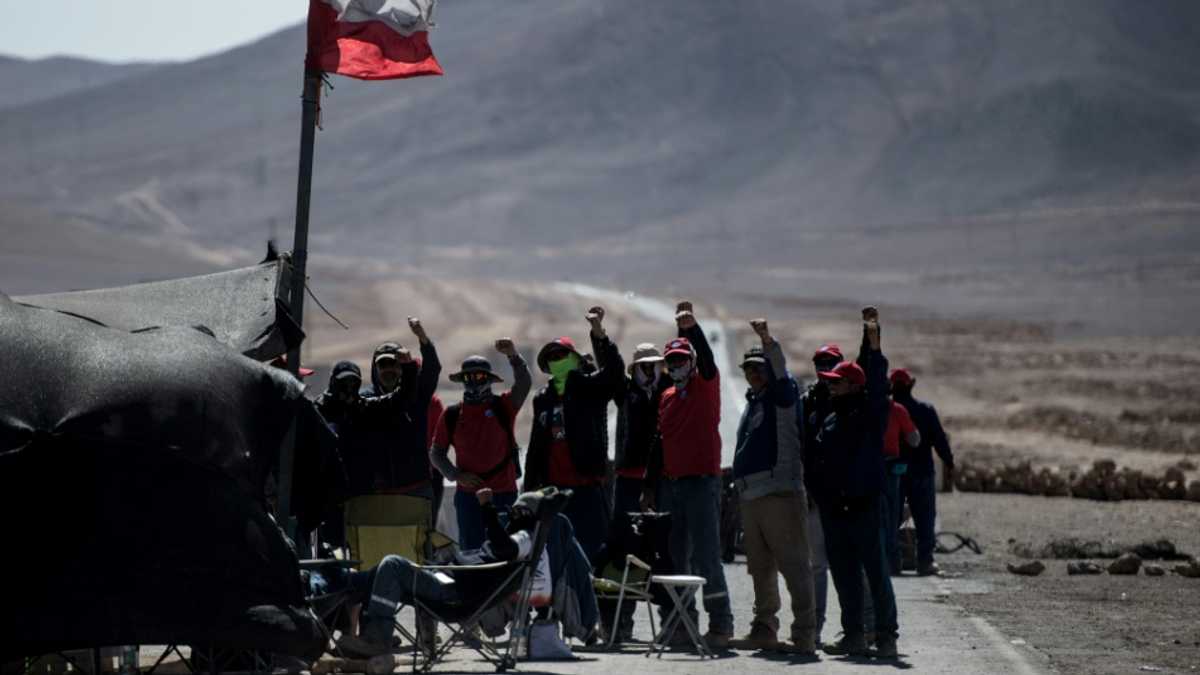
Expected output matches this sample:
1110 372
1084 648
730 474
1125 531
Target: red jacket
689 420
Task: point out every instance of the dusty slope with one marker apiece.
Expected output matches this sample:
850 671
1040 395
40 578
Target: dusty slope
800 135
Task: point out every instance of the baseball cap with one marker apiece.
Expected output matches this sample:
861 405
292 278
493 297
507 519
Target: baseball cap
901 377
846 370
680 346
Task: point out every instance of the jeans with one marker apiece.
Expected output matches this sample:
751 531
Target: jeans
588 511
695 543
470 516
921 493
854 542
395 582
776 541
891 509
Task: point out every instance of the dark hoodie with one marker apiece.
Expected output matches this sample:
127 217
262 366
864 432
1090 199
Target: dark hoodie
382 438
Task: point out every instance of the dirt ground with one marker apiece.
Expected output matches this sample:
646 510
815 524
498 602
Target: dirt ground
1083 624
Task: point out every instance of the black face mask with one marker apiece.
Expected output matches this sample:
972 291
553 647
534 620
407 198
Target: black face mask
845 405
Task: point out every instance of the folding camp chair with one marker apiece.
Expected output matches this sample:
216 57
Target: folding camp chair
384 524
513 577
629 582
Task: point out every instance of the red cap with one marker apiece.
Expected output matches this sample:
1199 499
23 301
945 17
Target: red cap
829 351
846 370
678 346
564 342
902 378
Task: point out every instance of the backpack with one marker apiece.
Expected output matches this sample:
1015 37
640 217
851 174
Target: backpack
500 414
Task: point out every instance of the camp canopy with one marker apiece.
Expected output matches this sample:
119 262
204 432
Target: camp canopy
245 309
132 468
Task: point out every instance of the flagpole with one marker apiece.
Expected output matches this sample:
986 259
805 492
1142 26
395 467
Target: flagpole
308 128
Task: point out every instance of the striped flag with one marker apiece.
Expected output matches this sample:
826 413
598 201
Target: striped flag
371 39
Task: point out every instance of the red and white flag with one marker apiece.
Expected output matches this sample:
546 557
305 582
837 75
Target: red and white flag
371 39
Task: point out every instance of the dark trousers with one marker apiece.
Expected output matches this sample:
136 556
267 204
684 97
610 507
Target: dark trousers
471 532
921 493
627 497
588 510
892 507
854 544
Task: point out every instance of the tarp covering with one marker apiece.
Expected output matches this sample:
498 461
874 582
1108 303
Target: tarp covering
132 468
245 309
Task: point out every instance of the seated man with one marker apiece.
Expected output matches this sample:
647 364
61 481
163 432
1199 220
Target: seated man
396 581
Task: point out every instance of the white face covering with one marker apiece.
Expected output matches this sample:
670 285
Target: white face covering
680 374
645 380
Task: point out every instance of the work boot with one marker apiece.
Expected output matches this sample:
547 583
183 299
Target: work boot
849 645
928 569
761 636
717 641
804 644
885 647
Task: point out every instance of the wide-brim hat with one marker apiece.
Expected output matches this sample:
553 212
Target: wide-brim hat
754 357
475 364
645 353
564 342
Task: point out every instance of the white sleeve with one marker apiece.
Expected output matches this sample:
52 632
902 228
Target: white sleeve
524 544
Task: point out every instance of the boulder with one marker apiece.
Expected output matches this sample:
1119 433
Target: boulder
1104 467
1027 569
1193 491
1077 567
1154 570
1161 549
1190 569
1127 564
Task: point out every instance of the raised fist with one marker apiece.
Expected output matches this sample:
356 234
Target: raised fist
684 317
506 347
870 313
414 324
760 328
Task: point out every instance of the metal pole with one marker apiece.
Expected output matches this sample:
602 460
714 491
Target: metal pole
308 129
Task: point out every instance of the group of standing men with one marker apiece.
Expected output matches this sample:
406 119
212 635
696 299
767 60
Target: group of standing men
823 449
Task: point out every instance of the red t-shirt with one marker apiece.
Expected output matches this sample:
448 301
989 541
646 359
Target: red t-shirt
480 443
900 425
561 469
690 421
436 408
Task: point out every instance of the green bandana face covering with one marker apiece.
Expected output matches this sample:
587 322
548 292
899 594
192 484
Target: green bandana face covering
560 369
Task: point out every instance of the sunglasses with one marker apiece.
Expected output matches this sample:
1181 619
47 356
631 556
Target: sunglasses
476 377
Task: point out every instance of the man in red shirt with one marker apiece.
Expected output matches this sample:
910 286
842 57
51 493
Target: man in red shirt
480 429
686 460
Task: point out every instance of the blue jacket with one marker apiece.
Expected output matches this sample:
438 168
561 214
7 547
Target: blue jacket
848 460
933 437
767 459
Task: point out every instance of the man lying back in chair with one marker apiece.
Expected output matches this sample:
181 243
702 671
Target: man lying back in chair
396 581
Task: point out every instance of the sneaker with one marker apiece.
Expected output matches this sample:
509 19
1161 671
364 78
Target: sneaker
885 647
929 569
761 636
849 645
717 640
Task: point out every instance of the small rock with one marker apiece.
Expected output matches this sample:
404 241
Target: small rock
1190 569
1129 563
1027 569
1154 570
1078 567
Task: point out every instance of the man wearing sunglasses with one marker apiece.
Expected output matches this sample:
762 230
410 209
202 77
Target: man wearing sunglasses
769 477
568 442
480 429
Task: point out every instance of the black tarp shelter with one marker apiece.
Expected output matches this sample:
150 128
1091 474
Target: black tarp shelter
132 467
245 309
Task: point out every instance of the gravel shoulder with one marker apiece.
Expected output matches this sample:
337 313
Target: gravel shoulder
1083 624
